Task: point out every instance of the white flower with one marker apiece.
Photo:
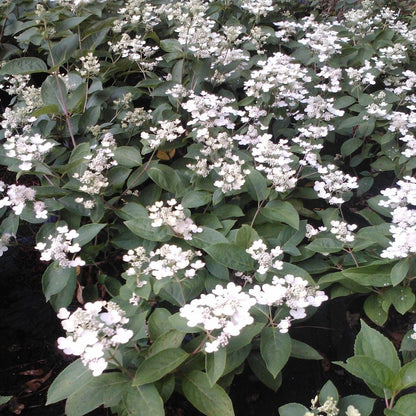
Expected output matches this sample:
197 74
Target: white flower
174 217
222 313
59 246
352 411
258 251
93 332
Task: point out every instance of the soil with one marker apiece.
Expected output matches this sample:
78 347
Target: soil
30 360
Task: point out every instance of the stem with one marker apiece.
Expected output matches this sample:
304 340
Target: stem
124 370
349 251
259 205
61 96
199 347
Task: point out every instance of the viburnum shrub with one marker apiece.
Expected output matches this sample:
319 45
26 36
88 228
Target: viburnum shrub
197 172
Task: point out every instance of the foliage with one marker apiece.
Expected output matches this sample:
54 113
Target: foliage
193 170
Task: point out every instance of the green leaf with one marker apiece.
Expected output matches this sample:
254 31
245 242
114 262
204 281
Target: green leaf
304 351
171 45
371 275
325 245
275 349
371 343
128 156
195 199
171 339
55 279
257 186
87 233
211 401
363 404
142 401
399 271
343 102
281 211
406 405
158 323
246 236
401 297
215 365
258 366
374 310
4 399
75 377
293 409
231 255
63 50
158 365
21 66
406 377
167 178
144 229
86 399
350 146
236 358
328 390
53 92
408 347
375 374
207 238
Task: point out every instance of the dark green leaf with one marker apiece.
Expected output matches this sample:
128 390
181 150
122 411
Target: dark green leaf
328 390
371 343
211 401
215 365
275 349
69 381
258 366
21 66
231 255
304 351
281 211
55 278
158 365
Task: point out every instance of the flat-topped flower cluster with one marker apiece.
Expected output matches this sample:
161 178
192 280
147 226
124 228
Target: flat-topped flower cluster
94 330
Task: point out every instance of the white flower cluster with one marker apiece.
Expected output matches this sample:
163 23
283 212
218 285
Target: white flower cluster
26 147
311 231
334 184
59 246
258 7
136 118
18 195
93 178
225 310
343 231
168 131
168 260
330 408
231 172
4 240
293 291
173 216
403 228
321 38
90 65
136 50
93 332
275 160
282 78
266 260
